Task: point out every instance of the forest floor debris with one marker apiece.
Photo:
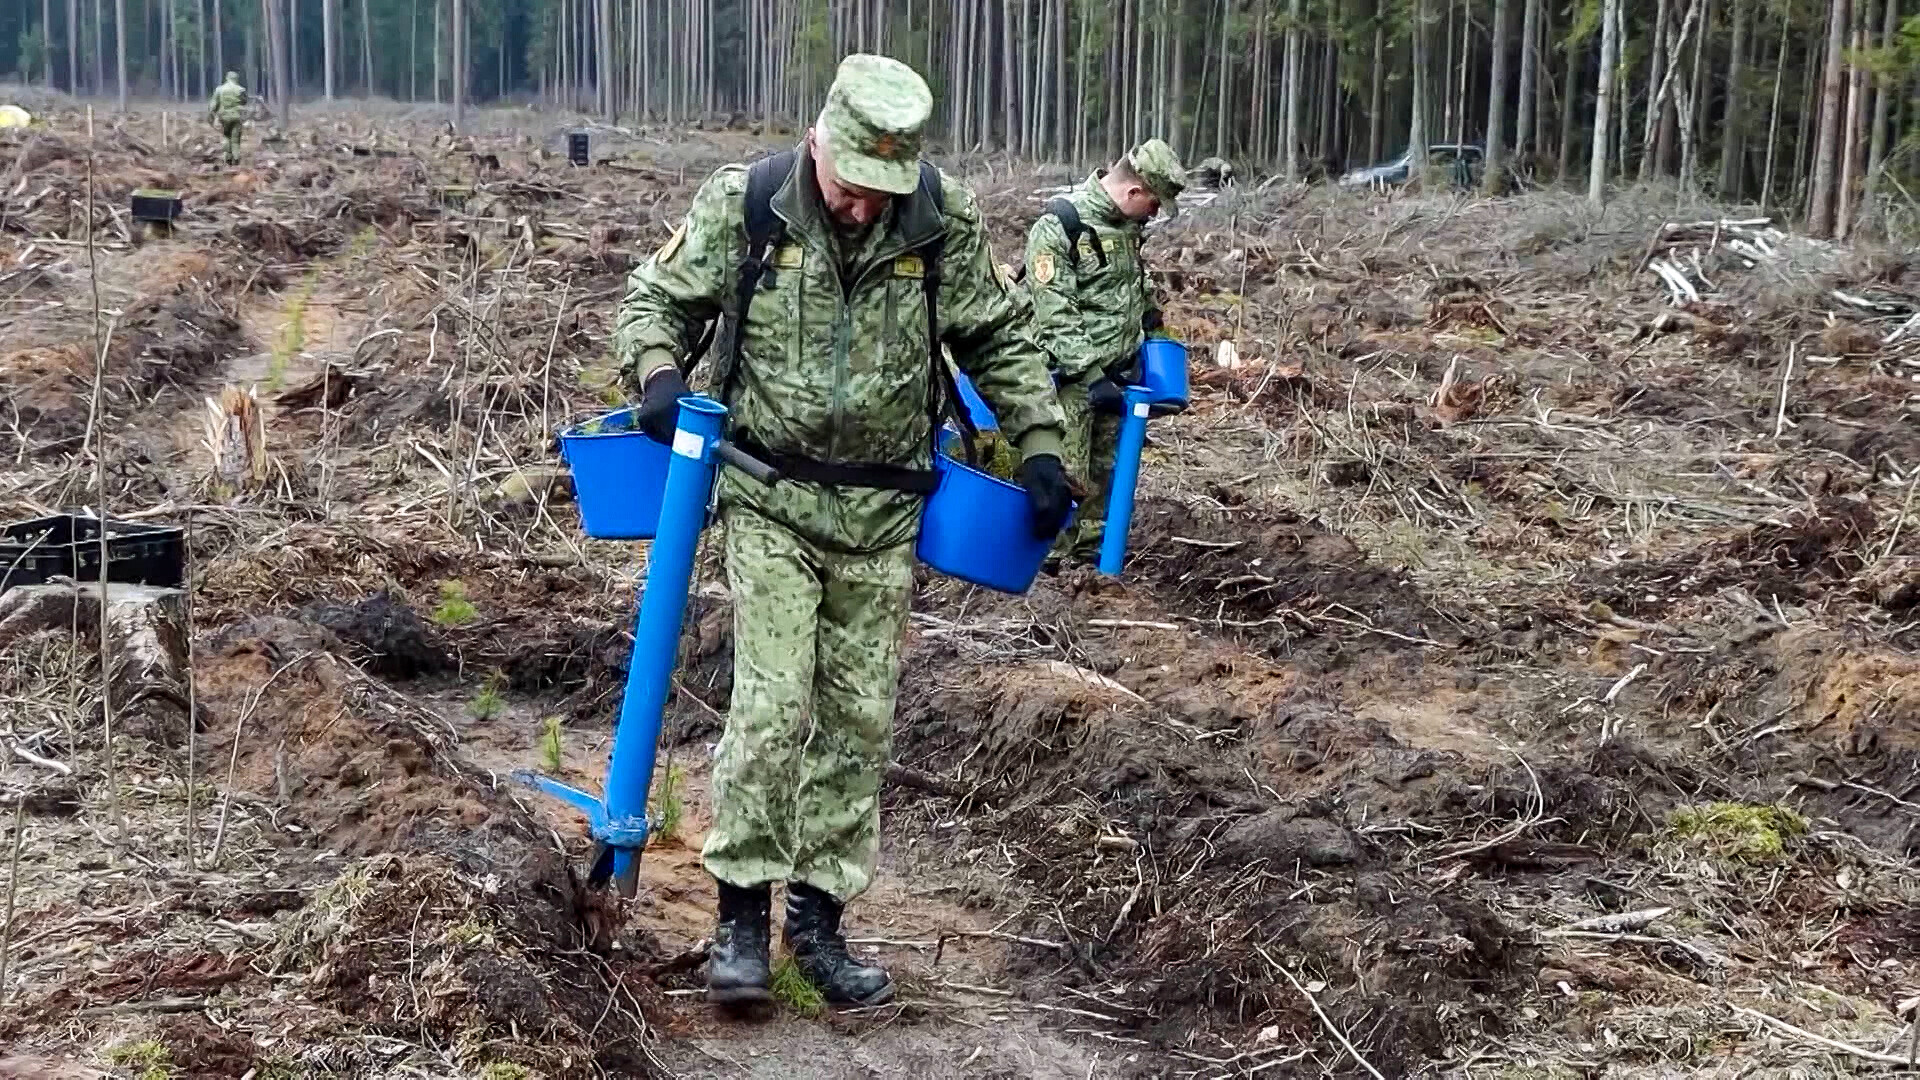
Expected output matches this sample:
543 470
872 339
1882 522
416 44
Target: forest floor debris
1513 674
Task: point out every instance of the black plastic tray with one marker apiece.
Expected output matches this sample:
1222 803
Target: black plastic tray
68 545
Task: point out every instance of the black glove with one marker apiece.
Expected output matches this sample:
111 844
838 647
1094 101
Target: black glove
1106 397
660 404
1047 493
1151 321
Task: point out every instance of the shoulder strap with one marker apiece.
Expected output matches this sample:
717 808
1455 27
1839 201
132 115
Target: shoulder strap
1071 224
765 231
943 392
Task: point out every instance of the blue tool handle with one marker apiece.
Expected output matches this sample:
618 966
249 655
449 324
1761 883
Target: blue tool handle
745 462
1126 477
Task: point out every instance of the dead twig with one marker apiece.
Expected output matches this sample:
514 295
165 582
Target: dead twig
1821 1040
1325 1020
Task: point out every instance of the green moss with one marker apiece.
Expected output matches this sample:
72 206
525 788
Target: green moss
148 1059
792 988
1738 831
454 609
505 1070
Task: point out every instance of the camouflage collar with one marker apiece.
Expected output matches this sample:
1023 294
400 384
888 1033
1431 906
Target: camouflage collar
1100 205
913 223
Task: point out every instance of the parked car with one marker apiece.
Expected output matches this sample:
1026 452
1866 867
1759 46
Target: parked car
1462 161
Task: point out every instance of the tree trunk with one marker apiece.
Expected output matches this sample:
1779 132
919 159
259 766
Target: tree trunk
457 37
1569 96
1656 92
1773 115
1733 136
1529 65
1603 102
1177 128
1225 89
1690 118
1494 178
73 46
603 60
99 46
1009 80
277 60
1882 106
327 45
437 6
1856 117
1417 124
1820 205
1466 66
120 48
1290 129
1376 126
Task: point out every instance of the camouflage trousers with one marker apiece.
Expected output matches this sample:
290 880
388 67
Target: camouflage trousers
232 131
816 658
1091 440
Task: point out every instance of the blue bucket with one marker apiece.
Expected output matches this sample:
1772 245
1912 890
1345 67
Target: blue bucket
619 474
977 409
976 528
1163 372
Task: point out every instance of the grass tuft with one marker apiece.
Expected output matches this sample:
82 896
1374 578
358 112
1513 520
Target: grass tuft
792 988
550 746
666 808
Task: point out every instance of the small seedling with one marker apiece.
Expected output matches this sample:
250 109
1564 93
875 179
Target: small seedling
294 337
792 988
488 703
455 609
665 809
550 745
505 1070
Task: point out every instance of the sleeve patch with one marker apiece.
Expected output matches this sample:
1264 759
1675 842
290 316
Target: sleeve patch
1043 268
672 247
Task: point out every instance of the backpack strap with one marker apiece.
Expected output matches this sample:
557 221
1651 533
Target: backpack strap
943 391
765 232
1071 224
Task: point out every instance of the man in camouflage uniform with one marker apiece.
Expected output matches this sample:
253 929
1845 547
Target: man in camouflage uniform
835 370
229 110
1092 305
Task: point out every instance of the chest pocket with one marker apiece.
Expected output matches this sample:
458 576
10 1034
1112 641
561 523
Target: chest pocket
906 308
775 310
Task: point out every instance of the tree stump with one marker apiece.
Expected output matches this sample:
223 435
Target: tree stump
146 659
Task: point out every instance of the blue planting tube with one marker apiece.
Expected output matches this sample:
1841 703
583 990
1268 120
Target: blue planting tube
619 823
1126 477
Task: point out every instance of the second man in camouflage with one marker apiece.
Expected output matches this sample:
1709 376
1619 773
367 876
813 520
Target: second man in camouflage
1092 305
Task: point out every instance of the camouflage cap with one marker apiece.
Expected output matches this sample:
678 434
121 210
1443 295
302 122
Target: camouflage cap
1156 163
233 76
876 110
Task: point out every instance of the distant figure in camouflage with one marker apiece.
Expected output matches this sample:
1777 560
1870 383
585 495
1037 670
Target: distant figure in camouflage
229 110
832 378
1092 305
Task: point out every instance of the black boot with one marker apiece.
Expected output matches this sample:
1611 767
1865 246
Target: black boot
813 935
737 968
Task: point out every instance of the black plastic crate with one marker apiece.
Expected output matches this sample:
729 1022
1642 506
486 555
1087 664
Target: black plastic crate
68 545
153 204
577 147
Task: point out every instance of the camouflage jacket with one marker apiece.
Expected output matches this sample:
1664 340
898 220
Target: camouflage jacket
229 103
839 372
1088 315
